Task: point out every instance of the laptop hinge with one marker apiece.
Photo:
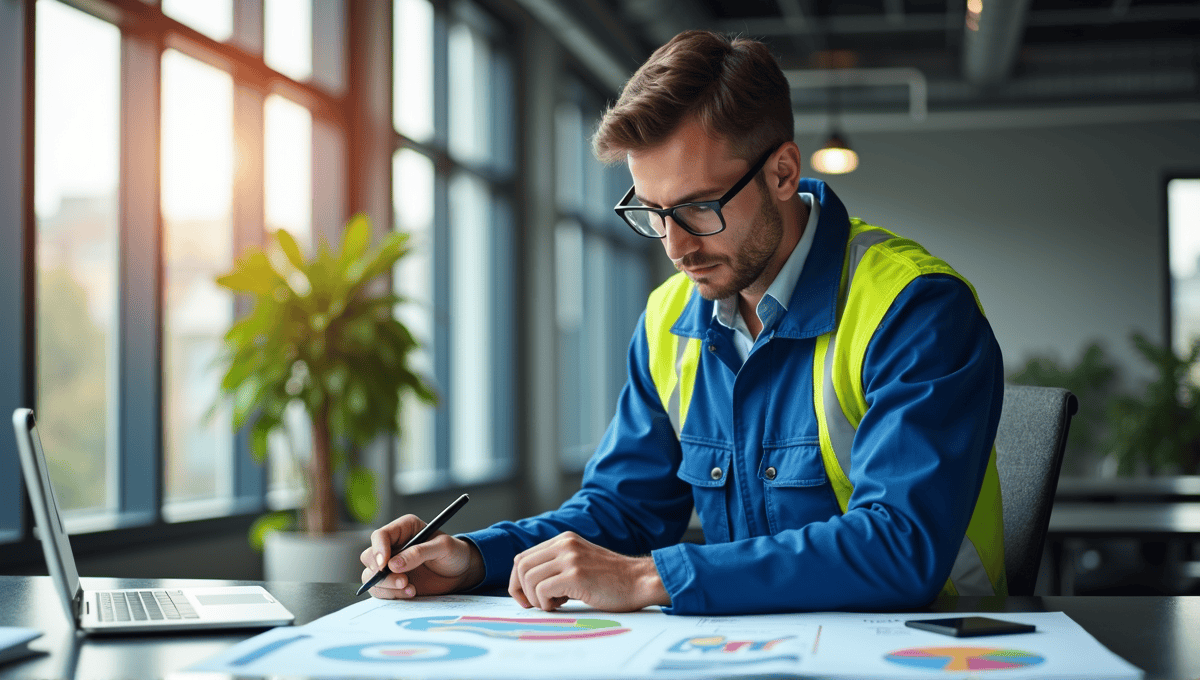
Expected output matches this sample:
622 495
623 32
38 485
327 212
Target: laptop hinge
79 603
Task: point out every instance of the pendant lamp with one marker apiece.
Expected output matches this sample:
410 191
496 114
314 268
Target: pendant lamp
835 157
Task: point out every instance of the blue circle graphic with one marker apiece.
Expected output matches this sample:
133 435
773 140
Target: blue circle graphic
403 651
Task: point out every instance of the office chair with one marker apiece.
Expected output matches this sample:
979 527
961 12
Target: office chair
1030 442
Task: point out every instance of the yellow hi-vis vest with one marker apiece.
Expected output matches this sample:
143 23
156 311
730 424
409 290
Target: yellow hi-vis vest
878 265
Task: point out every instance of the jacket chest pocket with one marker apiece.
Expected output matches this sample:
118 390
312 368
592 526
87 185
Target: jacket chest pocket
795 486
706 467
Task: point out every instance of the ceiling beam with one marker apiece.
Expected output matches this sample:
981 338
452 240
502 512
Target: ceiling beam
661 20
1000 118
914 80
893 11
994 32
580 41
932 23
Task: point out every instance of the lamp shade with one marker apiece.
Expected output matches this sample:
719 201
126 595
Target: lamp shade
835 157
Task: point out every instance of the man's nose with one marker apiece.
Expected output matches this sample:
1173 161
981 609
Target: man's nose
678 241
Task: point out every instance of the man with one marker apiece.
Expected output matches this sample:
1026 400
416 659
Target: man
824 393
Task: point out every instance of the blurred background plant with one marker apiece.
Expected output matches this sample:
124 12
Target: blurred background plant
321 331
1093 380
1146 431
1158 431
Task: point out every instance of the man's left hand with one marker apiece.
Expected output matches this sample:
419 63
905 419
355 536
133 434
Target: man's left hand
569 567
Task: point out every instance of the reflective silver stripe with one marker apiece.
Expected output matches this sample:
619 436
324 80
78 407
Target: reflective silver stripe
673 401
858 247
968 575
841 431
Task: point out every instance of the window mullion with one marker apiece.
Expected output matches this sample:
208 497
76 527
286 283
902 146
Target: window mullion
249 478
139 267
16 252
248 26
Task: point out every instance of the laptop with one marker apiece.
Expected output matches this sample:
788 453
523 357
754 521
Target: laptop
140 610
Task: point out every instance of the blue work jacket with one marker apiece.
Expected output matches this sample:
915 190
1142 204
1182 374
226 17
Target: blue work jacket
777 541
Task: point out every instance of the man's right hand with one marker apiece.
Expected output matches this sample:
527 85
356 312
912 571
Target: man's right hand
443 564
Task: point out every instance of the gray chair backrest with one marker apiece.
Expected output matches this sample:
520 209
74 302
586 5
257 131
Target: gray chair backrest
1030 442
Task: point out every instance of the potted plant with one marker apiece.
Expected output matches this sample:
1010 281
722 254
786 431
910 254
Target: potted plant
321 332
1094 381
1158 431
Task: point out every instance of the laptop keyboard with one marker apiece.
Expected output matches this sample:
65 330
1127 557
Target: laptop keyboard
144 605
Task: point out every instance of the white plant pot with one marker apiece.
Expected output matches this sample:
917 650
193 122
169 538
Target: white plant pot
296 556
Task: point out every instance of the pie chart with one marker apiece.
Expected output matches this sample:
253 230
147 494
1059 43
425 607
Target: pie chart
964 658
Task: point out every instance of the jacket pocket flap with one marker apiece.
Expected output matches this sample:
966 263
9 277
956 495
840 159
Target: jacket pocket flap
792 466
703 463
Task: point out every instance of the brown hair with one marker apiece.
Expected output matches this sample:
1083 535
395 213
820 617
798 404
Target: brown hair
733 85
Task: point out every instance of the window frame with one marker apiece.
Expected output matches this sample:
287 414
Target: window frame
503 185
344 111
597 224
1168 288
139 516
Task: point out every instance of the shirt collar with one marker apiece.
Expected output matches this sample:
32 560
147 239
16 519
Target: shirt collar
774 303
813 307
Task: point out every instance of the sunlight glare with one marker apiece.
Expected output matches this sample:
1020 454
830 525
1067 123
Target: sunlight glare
197 139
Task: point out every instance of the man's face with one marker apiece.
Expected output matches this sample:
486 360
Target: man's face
691 166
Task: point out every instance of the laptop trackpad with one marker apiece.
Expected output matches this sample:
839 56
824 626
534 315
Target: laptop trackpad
231 598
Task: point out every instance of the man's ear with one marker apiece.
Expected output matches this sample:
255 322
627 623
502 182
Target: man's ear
783 171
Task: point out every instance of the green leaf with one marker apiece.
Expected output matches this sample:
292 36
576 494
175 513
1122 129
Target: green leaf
245 401
391 250
287 243
360 494
252 273
269 523
259 435
355 240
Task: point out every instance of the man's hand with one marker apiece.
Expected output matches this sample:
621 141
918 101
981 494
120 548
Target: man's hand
569 567
443 564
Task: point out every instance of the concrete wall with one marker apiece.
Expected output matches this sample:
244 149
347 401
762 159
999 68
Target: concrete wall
1060 227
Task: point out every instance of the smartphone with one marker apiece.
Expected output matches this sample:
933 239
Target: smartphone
970 626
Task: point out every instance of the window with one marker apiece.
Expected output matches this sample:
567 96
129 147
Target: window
197 209
75 174
602 274
452 190
172 135
215 126
1183 239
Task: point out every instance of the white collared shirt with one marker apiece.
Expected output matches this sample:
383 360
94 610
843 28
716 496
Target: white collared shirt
774 303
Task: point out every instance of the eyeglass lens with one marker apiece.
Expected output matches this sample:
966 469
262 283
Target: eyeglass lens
699 219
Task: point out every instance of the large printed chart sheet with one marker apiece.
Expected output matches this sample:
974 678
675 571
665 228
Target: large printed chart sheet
463 636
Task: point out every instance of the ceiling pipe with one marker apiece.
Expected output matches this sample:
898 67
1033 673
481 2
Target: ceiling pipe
992 34
918 88
580 41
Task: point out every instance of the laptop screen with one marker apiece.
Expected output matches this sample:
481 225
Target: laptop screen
55 543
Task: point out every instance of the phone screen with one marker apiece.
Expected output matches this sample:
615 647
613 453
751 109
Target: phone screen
970 626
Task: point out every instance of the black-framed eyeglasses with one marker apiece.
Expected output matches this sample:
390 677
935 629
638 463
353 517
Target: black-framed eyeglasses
699 218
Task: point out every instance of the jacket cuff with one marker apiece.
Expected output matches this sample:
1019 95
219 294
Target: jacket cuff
679 578
495 546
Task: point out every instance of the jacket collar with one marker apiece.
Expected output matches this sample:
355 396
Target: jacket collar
812 310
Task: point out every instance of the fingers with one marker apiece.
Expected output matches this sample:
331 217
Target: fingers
382 539
391 587
440 547
541 575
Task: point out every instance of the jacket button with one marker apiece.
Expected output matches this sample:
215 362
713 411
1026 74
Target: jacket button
770 473
716 473
712 348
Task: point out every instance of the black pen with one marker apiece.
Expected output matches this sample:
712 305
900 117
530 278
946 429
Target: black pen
422 536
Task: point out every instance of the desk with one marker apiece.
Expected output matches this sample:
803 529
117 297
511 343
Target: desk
1070 522
1126 489
1157 634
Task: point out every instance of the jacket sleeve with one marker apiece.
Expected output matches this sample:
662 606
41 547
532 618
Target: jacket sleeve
933 380
630 500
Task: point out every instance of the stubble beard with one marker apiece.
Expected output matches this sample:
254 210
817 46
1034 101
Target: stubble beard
751 259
